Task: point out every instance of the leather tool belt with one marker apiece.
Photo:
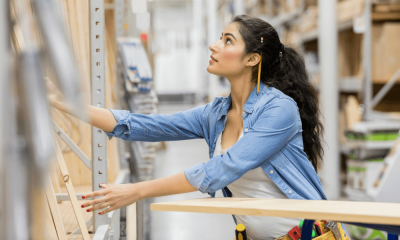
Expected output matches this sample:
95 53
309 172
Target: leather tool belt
326 230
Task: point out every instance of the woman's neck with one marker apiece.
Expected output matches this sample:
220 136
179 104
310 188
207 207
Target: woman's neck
241 88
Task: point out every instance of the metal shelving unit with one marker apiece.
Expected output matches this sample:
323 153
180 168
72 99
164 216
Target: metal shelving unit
97 67
32 93
284 18
104 226
313 35
6 226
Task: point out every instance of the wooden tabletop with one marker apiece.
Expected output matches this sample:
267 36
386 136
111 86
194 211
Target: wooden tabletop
345 211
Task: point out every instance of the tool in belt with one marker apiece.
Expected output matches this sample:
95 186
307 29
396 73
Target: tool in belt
322 230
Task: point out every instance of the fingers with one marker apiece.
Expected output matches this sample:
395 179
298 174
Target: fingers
95 194
94 202
100 206
111 208
103 185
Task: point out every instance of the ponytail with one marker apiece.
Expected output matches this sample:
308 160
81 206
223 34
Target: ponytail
284 69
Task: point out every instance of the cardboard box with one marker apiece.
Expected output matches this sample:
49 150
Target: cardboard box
308 3
385 51
346 10
349 53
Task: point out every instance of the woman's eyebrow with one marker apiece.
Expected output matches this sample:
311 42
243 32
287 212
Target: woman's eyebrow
230 35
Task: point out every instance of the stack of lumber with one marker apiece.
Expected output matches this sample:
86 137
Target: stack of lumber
47 222
386 10
76 19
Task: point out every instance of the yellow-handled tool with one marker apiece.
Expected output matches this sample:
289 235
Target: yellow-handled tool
240 232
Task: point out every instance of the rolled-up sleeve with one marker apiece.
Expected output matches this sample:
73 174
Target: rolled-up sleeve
122 126
276 125
158 127
197 177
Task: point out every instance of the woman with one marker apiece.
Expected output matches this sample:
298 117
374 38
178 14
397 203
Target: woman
264 140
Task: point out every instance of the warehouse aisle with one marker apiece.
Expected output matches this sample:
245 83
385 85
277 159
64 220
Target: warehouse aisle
177 225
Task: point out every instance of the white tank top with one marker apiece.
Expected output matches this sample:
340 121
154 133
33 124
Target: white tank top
257 184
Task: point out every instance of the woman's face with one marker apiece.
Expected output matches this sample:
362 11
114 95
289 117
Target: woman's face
227 54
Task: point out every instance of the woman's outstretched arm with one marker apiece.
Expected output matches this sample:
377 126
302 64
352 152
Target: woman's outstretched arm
123 124
98 117
117 196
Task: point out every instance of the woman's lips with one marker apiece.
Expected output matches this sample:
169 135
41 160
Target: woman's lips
213 59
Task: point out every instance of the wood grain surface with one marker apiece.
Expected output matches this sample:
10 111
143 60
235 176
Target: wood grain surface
365 212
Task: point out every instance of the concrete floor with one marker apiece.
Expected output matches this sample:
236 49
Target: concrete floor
177 157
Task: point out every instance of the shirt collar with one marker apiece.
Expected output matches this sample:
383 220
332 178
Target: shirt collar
251 101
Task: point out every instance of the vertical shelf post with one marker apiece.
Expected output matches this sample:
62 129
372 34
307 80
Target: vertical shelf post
328 45
4 53
97 67
367 61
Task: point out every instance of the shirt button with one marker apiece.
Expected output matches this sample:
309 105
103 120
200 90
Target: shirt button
290 191
272 172
246 130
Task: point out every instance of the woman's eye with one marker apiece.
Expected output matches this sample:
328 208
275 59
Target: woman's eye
228 41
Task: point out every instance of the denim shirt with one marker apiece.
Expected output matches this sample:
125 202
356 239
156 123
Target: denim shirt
272 139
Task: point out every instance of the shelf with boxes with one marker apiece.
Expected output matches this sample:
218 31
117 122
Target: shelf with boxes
298 26
372 147
301 31
135 74
386 10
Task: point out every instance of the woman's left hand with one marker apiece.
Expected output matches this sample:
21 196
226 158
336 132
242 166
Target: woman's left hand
113 197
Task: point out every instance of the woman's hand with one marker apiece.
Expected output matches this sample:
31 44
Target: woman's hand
54 96
114 197
98 117
117 196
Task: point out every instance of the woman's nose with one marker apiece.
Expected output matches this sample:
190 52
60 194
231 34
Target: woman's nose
212 47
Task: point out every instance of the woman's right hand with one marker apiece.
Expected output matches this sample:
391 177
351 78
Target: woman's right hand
98 117
54 96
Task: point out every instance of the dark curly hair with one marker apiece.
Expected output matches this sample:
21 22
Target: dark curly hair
284 69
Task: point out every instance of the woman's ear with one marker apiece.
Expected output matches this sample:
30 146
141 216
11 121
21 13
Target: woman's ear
253 59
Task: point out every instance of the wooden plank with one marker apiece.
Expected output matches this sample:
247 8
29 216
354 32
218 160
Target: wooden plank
365 212
384 8
71 191
55 212
54 176
382 81
68 215
131 224
386 16
50 229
